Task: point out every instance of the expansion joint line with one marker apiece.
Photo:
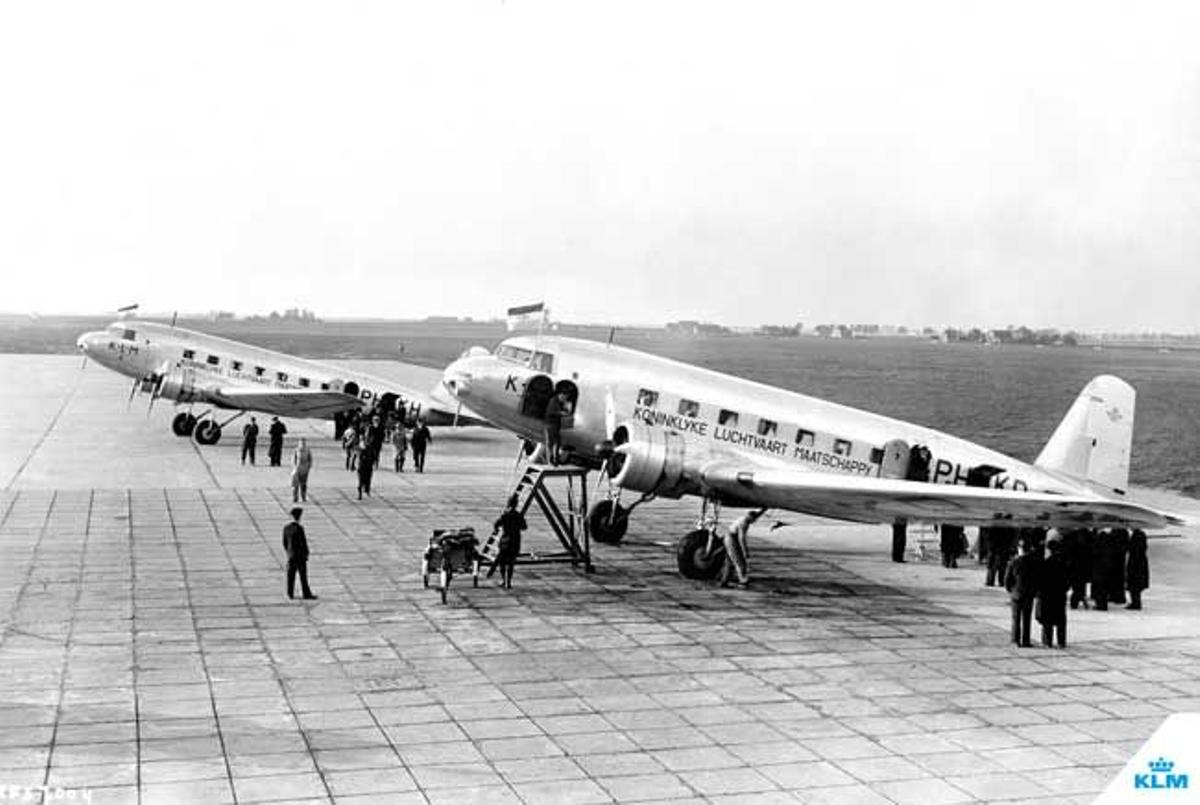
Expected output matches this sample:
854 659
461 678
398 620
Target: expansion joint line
49 429
262 640
133 645
187 588
74 615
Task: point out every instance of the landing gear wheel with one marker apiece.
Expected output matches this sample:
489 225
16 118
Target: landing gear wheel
608 522
183 424
693 562
207 432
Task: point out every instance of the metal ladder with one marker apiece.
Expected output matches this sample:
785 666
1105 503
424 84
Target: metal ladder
569 522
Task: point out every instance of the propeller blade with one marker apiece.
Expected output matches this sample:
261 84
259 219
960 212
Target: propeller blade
457 411
132 391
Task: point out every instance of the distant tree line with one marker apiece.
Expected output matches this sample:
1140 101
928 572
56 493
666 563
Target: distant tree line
1014 335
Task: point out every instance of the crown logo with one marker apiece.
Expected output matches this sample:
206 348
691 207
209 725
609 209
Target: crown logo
1161 766
1114 414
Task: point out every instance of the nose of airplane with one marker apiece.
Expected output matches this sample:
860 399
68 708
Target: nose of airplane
86 343
456 379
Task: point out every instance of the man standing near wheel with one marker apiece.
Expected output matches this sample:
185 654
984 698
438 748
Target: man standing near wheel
249 439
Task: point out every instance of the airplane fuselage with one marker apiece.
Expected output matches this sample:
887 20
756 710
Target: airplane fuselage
142 350
715 414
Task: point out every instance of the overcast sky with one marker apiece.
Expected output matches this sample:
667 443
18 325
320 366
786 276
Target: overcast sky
905 162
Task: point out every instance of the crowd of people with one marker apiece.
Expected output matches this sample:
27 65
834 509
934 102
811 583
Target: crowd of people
1047 572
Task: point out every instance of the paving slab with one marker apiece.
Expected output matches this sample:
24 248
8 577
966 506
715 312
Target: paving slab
151 655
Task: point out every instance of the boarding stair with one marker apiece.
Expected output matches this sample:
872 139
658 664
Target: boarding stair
569 522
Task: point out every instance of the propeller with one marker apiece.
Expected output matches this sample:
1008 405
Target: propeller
132 391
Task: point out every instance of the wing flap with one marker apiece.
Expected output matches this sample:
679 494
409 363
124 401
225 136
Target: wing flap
880 500
299 403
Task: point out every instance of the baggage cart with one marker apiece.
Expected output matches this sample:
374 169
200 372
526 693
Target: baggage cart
450 551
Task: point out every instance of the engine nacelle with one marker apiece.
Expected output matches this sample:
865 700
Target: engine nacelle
647 459
178 386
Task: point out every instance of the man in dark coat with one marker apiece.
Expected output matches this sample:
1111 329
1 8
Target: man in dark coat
1021 581
1077 548
366 468
1102 559
296 544
249 439
552 425
899 540
275 448
1137 569
1000 549
1052 595
951 544
420 439
509 525
1116 584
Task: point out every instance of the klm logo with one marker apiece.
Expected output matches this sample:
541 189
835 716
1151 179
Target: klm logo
1160 777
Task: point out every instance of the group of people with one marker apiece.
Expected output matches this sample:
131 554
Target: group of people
363 441
1053 571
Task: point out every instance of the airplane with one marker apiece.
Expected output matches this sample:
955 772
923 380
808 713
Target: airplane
191 367
661 428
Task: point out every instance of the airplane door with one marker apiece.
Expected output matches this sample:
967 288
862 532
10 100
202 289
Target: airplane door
895 459
538 391
572 392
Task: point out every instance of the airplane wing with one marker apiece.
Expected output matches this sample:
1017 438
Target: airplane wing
879 500
300 403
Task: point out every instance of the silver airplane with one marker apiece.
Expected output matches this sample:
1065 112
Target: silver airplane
186 366
661 428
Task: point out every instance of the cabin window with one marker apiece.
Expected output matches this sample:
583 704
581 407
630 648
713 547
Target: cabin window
805 438
647 398
876 455
213 360
236 366
281 377
689 408
841 447
767 427
259 371
189 354
128 335
727 418
324 387
304 382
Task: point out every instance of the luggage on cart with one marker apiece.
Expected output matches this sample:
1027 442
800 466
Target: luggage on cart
451 551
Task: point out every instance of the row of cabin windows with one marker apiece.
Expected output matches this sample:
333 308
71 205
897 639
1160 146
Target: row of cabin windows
259 371
766 427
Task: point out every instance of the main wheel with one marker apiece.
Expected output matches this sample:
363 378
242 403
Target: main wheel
183 424
207 432
607 522
693 561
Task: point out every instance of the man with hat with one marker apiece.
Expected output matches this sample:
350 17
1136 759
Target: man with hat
296 545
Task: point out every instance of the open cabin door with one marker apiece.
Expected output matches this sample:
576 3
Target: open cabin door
537 393
571 392
894 463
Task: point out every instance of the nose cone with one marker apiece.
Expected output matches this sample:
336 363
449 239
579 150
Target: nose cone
457 379
88 342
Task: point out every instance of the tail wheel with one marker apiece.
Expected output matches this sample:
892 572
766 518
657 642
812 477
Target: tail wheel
607 522
183 424
693 559
207 432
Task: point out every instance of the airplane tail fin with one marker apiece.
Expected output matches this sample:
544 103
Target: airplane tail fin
1094 439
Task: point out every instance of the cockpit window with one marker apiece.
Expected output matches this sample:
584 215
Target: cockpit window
515 354
538 361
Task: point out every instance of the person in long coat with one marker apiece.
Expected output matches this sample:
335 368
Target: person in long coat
1137 569
302 460
509 526
1053 583
1021 581
1102 559
1077 547
1116 584
951 544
